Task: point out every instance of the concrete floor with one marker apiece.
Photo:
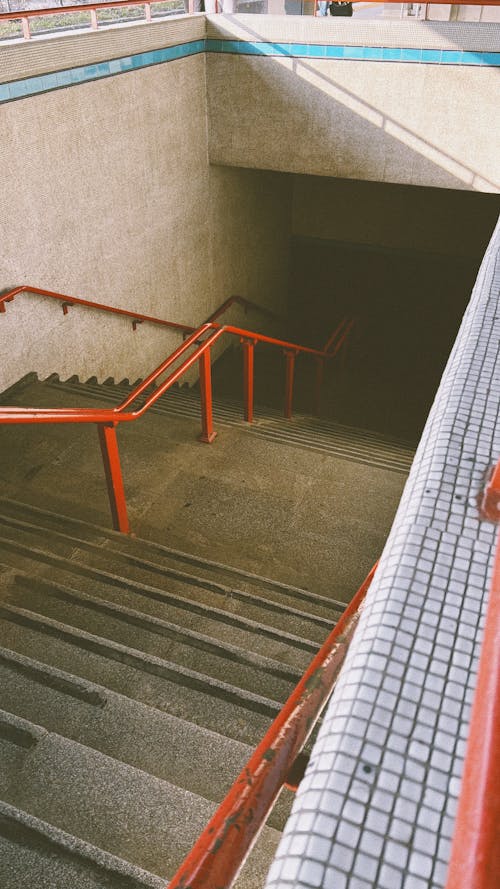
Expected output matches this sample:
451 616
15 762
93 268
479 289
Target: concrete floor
298 516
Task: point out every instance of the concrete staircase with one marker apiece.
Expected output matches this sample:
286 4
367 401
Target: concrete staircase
135 681
135 678
323 435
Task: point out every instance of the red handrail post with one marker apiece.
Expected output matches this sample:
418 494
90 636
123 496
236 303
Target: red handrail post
207 429
290 367
320 371
114 478
248 378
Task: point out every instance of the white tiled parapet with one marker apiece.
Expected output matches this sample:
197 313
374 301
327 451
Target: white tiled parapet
377 805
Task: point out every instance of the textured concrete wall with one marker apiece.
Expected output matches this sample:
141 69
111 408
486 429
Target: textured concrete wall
106 193
421 124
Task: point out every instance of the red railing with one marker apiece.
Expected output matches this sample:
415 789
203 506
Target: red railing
198 344
475 855
228 838
93 8
136 317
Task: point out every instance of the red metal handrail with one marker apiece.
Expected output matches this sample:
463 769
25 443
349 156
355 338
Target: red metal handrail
475 855
228 838
201 340
245 303
69 301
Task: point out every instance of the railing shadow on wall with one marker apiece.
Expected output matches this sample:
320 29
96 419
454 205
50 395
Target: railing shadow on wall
458 173
195 349
417 147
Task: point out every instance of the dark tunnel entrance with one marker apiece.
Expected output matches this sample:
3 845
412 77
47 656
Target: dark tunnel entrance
400 259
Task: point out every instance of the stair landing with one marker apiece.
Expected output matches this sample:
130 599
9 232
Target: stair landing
306 502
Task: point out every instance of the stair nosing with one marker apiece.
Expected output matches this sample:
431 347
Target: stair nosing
241 656
182 576
173 672
59 680
175 553
78 848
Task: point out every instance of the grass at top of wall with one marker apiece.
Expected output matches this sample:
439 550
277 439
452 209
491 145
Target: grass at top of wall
67 21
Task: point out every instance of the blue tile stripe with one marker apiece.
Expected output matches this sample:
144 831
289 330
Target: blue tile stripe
30 86
364 53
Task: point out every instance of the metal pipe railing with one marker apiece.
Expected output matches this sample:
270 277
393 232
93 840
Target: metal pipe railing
137 317
92 8
228 838
26 15
200 340
475 857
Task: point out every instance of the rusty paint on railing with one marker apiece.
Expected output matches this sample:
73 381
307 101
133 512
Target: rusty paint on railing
489 501
226 842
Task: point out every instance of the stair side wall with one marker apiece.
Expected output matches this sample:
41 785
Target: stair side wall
107 194
406 102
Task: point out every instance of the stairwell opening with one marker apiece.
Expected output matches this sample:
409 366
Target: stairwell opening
402 261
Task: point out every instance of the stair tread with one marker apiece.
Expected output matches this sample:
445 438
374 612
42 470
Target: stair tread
55 859
150 662
138 545
173 749
180 604
138 677
121 809
322 613
153 636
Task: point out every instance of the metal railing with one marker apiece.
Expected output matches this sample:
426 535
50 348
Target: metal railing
26 15
475 856
228 838
195 348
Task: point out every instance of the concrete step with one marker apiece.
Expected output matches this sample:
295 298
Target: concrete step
181 582
172 749
322 435
53 859
156 682
180 647
163 560
123 810
225 623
